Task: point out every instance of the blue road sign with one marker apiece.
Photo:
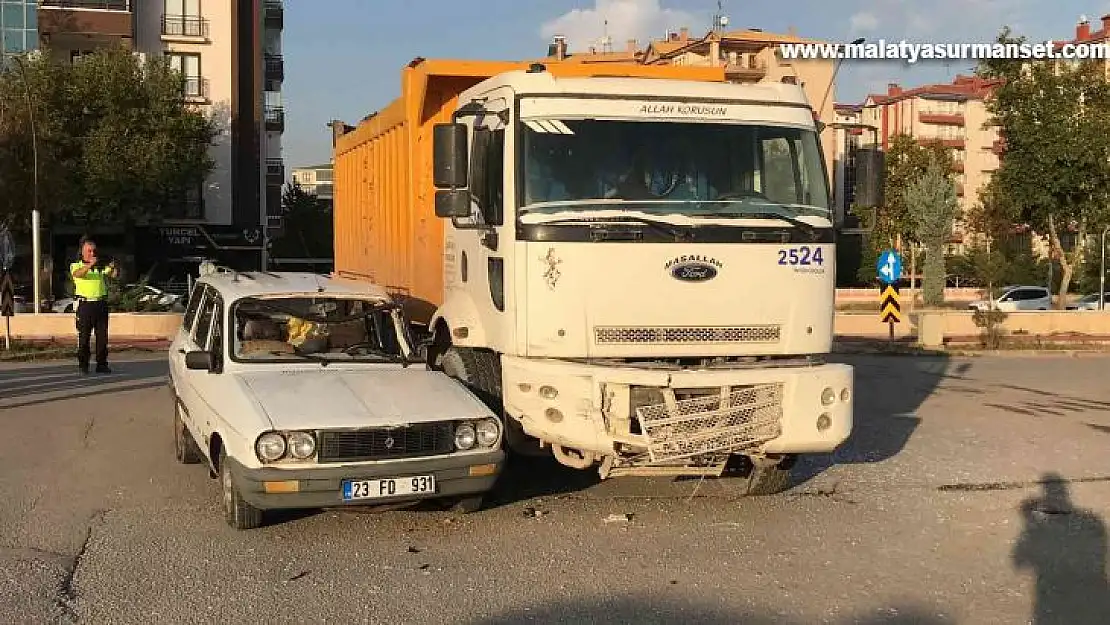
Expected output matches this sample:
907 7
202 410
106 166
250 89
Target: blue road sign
889 267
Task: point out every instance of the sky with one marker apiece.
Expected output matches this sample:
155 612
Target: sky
345 62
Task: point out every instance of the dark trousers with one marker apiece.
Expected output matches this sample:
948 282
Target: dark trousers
92 316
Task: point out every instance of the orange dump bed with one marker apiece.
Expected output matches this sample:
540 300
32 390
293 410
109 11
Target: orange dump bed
386 230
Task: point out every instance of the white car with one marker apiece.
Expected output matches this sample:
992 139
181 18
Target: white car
150 294
304 391
1017 298
1090 302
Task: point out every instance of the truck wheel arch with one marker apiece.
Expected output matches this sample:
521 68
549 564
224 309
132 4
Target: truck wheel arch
455 314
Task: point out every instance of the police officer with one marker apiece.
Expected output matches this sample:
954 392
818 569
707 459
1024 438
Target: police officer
91 291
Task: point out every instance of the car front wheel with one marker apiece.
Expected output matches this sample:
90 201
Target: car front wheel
237 512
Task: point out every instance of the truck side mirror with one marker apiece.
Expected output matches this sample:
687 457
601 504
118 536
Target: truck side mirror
449 156
452 203
870 177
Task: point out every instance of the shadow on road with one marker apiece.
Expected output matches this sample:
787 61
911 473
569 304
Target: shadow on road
32 384
645 611
889 391
1066 549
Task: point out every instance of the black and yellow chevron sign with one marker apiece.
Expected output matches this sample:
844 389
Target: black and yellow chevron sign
890 311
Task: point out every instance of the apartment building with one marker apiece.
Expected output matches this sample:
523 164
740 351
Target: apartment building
18 26
230 54
952 114
317 180
748 56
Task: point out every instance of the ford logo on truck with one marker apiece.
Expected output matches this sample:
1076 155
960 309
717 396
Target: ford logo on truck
693 268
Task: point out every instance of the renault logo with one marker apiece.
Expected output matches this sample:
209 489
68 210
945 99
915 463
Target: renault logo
389 442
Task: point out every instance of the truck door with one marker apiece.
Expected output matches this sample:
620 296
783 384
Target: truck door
482 242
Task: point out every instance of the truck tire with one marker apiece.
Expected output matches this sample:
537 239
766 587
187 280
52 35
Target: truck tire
480 372
185 448
238 513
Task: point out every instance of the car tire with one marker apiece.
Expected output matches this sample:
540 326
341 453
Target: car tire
185 447
468 505
237 512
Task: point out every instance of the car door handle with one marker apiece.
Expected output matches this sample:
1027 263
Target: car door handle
181 351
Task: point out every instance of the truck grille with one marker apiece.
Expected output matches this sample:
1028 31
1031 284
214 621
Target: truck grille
680 335
425 439
704 424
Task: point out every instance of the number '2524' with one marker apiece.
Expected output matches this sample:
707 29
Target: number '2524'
803 255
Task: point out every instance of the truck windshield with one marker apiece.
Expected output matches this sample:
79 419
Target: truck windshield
705 169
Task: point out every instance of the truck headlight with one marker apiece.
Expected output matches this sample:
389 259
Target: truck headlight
270 447
302 445
465 437
488 432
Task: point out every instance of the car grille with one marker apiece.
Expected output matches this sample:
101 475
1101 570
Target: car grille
425 439
680 335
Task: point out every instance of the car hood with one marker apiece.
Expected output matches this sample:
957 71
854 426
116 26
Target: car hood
330 398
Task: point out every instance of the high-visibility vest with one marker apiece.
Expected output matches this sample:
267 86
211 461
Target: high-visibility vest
93 286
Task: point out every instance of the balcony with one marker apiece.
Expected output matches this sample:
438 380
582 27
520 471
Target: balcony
750 68
99 5
196 89
952 142
274 12
275 67
275 171
99 19
943 119
275 118
188 28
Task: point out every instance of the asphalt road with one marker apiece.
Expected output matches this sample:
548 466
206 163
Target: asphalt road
933 513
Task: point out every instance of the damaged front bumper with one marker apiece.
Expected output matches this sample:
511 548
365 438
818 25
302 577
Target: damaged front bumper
627 416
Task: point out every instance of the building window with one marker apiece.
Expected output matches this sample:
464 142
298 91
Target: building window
188 65
185 8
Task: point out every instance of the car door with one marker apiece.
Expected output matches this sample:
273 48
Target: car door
183 342
192 381
208 385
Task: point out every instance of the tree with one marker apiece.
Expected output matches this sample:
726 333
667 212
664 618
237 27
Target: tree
1055 173
931 200
307 229
906 161
116 140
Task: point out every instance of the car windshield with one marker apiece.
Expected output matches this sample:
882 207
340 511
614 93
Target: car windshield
319 328
702 169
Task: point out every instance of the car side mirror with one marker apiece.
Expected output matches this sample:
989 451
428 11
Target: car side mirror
452 204
200 361
450 156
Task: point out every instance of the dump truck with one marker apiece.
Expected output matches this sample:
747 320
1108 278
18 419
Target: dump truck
635 265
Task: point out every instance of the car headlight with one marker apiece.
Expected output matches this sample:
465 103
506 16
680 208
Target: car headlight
828 396
302 445
270 447
465 436
488 432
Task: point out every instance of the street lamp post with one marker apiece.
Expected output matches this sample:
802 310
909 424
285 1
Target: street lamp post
832 79
1102 273
36 243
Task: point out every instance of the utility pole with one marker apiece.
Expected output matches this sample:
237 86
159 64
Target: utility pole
36 243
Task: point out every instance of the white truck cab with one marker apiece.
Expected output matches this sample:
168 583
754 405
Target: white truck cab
642 272
303 391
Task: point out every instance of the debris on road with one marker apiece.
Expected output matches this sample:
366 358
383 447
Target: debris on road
618 518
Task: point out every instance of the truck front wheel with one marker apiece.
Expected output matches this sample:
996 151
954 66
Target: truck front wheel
480 372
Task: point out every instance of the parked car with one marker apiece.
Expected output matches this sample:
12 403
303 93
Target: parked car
150 294
1090 302
1017 298
303 391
